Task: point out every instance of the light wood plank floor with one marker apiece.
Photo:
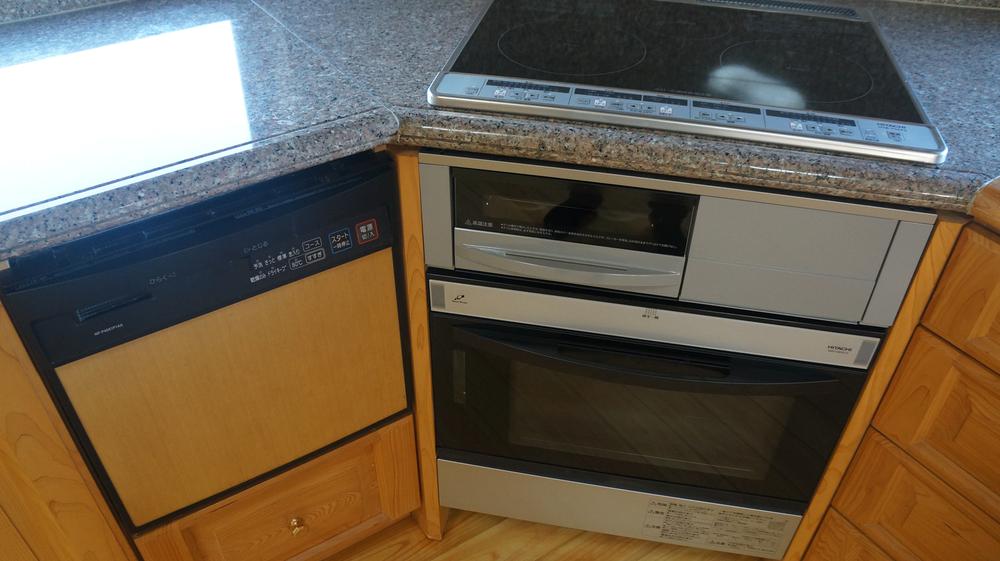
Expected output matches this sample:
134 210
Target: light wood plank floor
480 537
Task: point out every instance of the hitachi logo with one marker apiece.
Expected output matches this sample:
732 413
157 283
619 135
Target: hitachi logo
839 349
108 329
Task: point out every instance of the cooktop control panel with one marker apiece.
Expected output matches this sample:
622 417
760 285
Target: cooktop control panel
689 114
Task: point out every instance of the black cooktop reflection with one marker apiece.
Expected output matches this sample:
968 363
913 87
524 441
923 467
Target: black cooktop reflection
787 60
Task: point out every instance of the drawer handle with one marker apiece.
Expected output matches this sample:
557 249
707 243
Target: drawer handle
296 525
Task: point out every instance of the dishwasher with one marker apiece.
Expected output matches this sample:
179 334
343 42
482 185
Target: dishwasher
197 352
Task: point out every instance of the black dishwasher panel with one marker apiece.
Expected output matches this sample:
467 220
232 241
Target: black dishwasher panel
93 294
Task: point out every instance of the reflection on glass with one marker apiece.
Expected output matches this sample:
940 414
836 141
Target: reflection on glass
745 84
78 120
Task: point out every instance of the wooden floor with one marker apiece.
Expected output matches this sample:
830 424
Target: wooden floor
479 537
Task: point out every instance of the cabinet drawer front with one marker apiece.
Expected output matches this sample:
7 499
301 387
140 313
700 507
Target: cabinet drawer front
838 540
908 512
944 409
308 512
966 306
195 409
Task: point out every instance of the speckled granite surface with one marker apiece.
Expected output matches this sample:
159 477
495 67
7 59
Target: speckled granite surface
13 10
327 78
286 108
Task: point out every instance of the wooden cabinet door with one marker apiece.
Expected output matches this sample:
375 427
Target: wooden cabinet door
199 407
944 410
909 513
46 492
965 308
838 540
309 512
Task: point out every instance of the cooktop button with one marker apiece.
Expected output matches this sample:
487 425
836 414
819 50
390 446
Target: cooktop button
600 103
846 132
740 119
583 101
895 136
472 90
871 135
666 111
795 125
705 115
828 131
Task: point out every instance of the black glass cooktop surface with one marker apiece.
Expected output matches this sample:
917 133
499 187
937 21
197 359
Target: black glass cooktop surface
800 61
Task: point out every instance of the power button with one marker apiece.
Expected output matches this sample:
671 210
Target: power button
367 231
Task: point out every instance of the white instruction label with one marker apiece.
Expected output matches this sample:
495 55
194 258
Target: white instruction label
712 526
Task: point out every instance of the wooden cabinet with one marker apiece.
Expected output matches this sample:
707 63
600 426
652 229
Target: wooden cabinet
910 513
306 513
48 499
965 309
944 410
838 540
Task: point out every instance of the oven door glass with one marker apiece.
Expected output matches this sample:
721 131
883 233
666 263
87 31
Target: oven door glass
636 410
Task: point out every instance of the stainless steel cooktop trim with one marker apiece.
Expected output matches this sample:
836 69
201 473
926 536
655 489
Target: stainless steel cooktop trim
691 127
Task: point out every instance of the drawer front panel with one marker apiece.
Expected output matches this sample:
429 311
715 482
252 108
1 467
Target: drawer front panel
838 540
308 512
909 513
965 309
197 408
944 409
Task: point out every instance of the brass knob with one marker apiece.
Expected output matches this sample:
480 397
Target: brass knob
296 525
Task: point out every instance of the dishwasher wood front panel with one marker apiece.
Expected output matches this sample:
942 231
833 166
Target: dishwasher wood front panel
910 513
944 410
309 512
12 544
192 410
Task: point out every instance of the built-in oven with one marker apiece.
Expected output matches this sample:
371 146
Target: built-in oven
650 358
650 422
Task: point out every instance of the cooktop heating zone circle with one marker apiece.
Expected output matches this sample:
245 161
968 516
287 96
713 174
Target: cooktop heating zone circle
567 46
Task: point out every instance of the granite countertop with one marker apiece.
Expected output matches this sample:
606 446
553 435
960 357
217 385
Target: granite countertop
122 111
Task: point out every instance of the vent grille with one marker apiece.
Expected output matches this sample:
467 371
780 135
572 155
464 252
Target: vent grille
838 11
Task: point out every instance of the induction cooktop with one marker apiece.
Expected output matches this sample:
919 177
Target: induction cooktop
783 72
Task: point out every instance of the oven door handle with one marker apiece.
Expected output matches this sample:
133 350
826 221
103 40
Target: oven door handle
741 376
569 270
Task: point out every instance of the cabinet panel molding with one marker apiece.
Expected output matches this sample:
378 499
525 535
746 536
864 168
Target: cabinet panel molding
838 540
910 513
965 309
944 410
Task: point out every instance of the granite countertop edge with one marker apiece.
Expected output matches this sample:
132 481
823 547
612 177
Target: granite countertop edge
192 181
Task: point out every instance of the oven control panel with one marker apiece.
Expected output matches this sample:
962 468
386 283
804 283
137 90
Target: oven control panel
905 141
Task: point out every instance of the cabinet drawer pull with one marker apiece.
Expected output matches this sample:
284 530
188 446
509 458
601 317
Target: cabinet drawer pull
296 525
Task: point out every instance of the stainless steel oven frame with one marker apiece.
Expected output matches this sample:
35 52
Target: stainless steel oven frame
723 520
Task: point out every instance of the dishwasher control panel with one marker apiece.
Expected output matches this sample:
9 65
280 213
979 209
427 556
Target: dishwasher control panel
284 256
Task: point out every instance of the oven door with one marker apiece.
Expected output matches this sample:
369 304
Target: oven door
755 428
